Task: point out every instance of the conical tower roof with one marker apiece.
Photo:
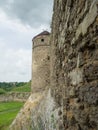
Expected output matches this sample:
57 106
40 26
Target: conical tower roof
42 33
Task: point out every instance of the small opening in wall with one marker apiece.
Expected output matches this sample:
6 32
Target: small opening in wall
42 40
48 57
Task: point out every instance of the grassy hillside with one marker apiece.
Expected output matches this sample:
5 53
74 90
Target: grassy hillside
8 111
15 87
8 86
24 88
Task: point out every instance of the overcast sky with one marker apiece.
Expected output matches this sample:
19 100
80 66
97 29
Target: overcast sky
20 21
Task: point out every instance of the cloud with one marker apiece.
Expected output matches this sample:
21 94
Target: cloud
15 49
15 34
20 21
32 12
15 65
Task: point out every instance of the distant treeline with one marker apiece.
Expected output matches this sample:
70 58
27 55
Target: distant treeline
9 86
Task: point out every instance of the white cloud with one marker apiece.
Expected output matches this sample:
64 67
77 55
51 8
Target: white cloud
15 65
13 24
15 57
16 33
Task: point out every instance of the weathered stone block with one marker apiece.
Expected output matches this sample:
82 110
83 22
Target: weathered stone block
91 71
89 93
76 76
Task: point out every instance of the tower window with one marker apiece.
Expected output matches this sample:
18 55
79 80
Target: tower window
42 40
48 57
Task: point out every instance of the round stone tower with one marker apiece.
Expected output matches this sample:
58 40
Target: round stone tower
40 62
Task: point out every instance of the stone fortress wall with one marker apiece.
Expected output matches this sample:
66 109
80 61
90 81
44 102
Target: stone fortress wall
15 96
74 68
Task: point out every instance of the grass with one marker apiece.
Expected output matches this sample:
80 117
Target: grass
25 88
8 111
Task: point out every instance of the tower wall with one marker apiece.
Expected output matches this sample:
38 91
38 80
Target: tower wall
40 63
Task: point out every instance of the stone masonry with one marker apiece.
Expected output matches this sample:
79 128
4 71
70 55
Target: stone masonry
15 96
74 63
